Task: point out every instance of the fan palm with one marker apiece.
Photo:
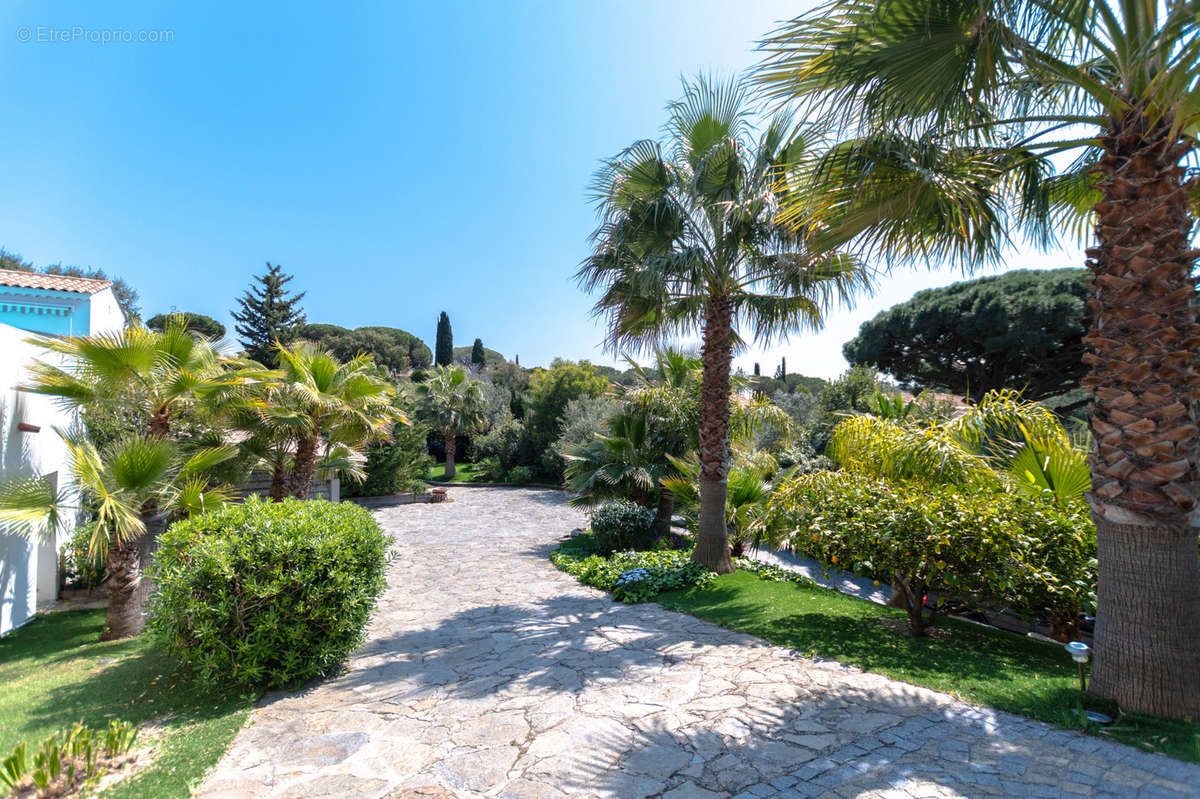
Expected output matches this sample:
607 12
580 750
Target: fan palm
147 375
958 112
747 490
618 463
133 486
689 242
453 404
325 401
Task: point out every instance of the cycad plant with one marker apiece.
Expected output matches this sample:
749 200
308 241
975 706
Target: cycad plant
956 116
452 404
134 486
689 241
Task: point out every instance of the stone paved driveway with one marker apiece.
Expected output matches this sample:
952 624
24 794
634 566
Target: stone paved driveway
489 673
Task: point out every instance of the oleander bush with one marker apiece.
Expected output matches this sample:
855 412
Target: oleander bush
938 544
265 594
621 525
630 576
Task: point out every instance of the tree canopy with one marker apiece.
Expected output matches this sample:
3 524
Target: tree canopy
444 344
269 314
1023 329
394 349
196 322
467 355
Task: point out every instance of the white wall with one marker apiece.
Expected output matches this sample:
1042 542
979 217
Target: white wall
105 315
28 568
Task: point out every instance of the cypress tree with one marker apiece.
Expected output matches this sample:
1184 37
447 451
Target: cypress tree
444 347
269 313
756 370
477 356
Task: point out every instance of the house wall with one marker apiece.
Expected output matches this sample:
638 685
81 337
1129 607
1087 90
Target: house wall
104 313
28 567
59 313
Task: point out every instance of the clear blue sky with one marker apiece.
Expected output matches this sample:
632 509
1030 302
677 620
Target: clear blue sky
398 158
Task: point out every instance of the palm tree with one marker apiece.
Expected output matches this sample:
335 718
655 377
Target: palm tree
134 486
327 402
689 242
747 491
147 375
956 114
617 464
453 404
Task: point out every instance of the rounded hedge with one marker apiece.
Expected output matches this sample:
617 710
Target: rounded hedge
268 593
622 525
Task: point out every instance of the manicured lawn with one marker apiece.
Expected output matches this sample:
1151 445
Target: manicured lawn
54 672
981 665
463 473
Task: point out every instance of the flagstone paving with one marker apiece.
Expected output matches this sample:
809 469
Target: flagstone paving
489 673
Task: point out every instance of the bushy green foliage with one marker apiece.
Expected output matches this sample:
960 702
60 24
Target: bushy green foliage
507 442
1021 329
549 392
397 465
519 475
82 567
631 576
621 525
268 593
980 546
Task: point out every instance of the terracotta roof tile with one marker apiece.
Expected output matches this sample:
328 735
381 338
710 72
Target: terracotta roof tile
35 280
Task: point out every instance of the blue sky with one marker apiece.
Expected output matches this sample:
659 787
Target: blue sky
398 158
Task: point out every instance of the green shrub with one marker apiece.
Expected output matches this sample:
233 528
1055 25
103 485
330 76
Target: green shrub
82 568
622 525
394 466
630 576
507 442
983 547
264 594
520 474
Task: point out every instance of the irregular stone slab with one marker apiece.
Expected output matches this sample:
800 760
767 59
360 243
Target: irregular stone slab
488 673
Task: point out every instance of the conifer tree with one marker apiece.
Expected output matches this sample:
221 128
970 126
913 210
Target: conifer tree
477 356
269 313
443 351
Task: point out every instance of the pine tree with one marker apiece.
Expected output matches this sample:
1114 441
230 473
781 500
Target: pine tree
477 356
269 313
444 347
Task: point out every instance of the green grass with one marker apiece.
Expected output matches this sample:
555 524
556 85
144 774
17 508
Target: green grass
463 473
54 672
982 665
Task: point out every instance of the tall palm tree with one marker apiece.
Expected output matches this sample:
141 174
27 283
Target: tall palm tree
332 404
956 113
133 486
689 241
453 404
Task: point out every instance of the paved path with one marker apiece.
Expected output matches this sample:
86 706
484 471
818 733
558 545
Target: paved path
489 673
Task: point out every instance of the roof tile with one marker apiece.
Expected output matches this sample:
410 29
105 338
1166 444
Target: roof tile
36 280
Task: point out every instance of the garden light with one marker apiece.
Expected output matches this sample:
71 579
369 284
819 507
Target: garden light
1080 653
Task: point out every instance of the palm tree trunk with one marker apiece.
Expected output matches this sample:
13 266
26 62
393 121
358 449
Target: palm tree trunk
451 442
712 536
1142 346
304 465
279 476
129 587
662 516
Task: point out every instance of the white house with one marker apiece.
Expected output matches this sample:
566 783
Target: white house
51 305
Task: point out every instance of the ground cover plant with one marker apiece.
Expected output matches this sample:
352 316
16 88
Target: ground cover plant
632 576
55 672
